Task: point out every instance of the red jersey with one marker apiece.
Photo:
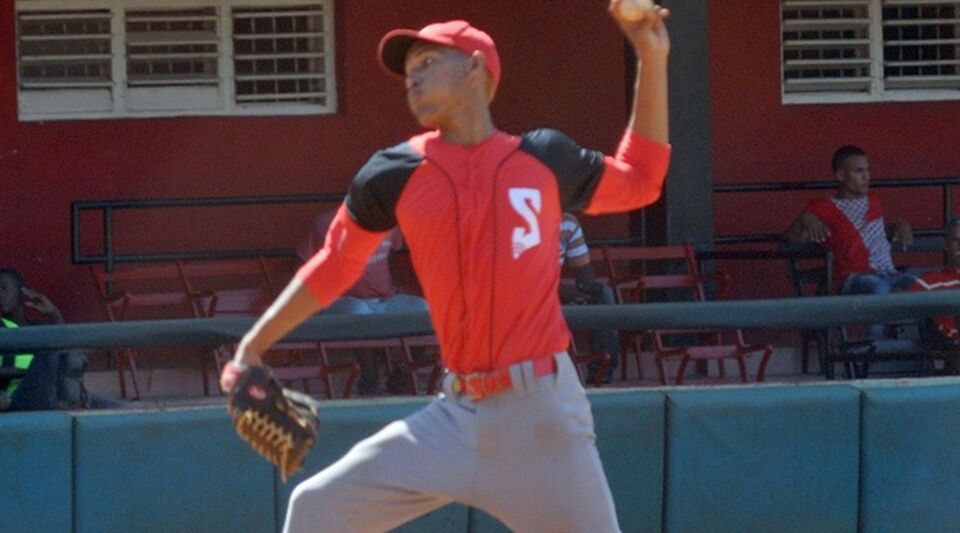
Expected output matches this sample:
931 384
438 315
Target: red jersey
858 247
482 225
946 279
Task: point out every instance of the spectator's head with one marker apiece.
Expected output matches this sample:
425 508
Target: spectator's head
952 235
852 170
11 294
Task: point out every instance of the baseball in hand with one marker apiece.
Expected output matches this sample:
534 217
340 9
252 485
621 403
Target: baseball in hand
635 10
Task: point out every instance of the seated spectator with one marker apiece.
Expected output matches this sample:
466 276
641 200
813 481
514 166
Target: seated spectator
374 293
943 329
51 380
851 225
575 255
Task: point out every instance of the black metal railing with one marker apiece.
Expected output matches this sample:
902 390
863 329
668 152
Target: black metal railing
109 255
946 185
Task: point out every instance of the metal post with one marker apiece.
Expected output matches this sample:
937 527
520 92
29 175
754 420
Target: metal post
108 237
828 260
947 214
112 357
75 232
947 203
643 227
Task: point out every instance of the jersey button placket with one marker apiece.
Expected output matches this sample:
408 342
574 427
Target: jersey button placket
468 222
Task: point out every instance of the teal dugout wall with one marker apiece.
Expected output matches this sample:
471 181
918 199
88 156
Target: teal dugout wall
872 456
166 471
911 456
763 459
36 469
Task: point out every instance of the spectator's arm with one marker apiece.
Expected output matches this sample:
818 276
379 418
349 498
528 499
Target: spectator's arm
42 305
899 231
569 294
584 278
808 228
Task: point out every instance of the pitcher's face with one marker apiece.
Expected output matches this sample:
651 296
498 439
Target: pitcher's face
436 83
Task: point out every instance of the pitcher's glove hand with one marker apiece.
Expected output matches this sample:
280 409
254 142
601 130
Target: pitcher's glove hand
279 423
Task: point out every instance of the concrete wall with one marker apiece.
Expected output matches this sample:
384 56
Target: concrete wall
870 457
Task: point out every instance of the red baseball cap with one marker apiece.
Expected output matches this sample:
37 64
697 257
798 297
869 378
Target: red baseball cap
457 34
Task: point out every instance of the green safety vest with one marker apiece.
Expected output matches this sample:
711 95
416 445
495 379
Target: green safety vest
20 361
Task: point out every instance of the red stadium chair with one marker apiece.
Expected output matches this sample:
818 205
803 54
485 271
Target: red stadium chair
641 274
582 359
246 288
700 344
622 265
142 293
409 365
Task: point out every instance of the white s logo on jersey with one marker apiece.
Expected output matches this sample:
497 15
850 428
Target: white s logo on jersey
526 202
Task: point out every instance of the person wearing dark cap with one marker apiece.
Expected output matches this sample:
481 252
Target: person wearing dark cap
480 209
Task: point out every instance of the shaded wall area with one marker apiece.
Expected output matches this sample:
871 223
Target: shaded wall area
828 457
565 71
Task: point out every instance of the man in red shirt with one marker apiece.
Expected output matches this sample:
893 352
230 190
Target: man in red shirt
480 210
851 225
374 293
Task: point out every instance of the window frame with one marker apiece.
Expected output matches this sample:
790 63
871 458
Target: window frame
226 103
877 93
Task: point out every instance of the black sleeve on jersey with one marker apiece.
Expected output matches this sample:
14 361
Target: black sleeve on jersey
578 170
373 195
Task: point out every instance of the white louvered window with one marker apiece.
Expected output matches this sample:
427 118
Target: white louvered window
172 58
63 52
172 47
129 58
279 55
921 45
870 50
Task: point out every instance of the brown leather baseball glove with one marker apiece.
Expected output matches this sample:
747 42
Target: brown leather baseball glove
280 424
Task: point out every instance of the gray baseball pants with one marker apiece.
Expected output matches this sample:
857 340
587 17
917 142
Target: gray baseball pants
527 456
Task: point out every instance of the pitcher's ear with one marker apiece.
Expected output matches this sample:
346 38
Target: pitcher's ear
478 60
